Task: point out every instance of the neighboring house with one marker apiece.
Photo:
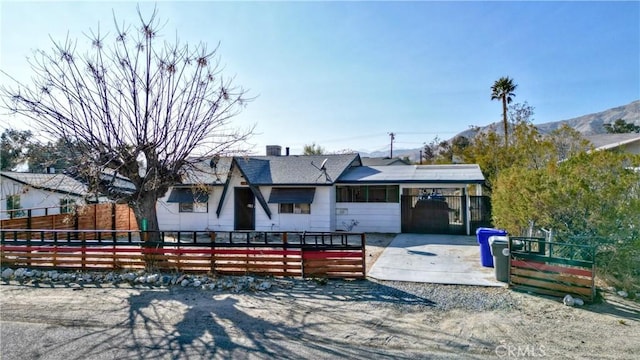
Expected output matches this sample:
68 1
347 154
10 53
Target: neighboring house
382 161
629 143
309 193
51 193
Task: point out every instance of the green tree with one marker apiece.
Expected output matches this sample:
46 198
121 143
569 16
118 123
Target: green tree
620 126
590 198
313 149
133 104
486 150
567 142
13 147
52 154
529 148
459 144
429 151
503 90
436 151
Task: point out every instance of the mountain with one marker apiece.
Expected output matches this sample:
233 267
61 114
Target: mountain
591 124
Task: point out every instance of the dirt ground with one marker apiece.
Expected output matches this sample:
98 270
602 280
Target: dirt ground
376 244
303 319
539 326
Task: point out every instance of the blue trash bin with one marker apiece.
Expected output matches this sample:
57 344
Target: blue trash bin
483 235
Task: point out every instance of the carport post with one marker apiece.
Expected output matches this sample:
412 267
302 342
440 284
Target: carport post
467 210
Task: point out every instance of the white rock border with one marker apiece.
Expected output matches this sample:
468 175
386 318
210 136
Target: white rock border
140 278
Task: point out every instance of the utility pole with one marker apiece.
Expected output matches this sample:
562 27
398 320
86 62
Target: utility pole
392 136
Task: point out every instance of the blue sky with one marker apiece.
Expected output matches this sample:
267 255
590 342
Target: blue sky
345 74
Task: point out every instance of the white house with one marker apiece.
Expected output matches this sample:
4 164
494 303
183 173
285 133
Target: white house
320 193
39 193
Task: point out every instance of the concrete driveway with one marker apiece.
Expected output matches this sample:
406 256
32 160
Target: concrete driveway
442 259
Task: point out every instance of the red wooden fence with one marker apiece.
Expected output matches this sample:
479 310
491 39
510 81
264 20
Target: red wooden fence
339 255
107 216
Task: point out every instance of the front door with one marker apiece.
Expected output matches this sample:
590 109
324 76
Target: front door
245 214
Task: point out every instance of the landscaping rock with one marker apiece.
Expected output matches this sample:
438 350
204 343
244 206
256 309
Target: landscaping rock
7 273
265 285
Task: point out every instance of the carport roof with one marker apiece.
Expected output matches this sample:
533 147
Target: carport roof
450 174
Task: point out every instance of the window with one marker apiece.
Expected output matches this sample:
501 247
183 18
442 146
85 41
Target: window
351 194
369 193
13 206
377 194
67 206
194 207
294 208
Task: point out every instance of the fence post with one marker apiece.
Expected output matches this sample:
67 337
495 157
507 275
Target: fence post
76 221
29 222
212 268
177 253
84 252
114 226
29 247
285 248
55 247
364 255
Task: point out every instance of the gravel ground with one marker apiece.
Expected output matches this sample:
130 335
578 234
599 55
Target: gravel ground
176 316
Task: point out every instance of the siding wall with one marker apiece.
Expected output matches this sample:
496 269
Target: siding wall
371 217
31 198
633 148
320 219
326 213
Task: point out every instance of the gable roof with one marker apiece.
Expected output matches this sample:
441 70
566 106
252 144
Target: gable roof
208 172
295 169
57 182
450 174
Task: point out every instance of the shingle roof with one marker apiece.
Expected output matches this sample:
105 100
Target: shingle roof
116 180
53 182
204 173
381 161
453 174
295 169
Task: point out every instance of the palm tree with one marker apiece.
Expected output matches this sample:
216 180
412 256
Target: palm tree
503 90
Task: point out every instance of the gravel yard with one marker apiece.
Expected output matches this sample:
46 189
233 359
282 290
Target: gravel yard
80 316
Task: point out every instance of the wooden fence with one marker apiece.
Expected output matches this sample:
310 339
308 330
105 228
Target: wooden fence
331 255
552 268
107 216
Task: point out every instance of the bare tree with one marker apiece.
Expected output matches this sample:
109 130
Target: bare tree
132 105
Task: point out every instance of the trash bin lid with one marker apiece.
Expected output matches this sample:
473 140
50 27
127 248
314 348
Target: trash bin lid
484 230
498 239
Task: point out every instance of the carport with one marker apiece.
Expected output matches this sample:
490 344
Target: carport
434 199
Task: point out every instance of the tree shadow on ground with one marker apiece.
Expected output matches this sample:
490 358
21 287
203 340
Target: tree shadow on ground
295 319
